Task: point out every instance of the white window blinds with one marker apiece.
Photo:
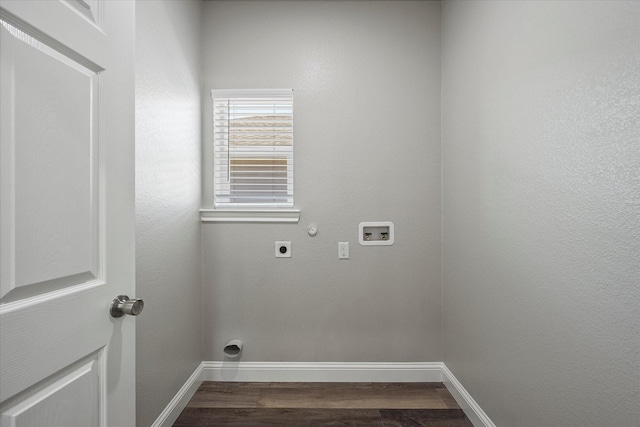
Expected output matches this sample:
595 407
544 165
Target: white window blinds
253 148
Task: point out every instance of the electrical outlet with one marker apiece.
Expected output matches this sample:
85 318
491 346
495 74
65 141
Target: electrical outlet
283 249
343 250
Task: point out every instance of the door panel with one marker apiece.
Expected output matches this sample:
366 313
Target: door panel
66 212
72 398
89 9
52 139
33 344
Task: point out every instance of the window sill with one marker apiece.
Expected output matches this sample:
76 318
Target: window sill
290 216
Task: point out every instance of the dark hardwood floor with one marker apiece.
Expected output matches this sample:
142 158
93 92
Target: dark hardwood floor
227 404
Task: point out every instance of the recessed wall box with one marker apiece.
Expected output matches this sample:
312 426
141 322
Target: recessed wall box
283 249
376 233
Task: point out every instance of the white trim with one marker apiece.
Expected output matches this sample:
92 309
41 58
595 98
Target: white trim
291 216
472 410
250 93
180 400
322 372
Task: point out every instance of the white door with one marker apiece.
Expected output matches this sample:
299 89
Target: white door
66 212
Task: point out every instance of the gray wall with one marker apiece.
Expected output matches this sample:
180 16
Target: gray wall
366 81
168 239
541 132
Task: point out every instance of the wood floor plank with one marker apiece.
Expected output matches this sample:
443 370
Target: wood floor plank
346 401
225 395
264 417
424 418
229 404
447 398
322 395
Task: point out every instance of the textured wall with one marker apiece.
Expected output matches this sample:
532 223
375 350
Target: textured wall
541 152
168 239
366 81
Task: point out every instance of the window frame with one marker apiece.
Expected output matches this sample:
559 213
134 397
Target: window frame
242 212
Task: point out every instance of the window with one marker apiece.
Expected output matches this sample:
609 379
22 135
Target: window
253 149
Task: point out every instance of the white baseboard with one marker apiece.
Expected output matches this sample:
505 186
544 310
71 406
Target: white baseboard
180 400
323 372
472 410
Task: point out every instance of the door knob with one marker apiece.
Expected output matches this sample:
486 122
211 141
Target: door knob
122 305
